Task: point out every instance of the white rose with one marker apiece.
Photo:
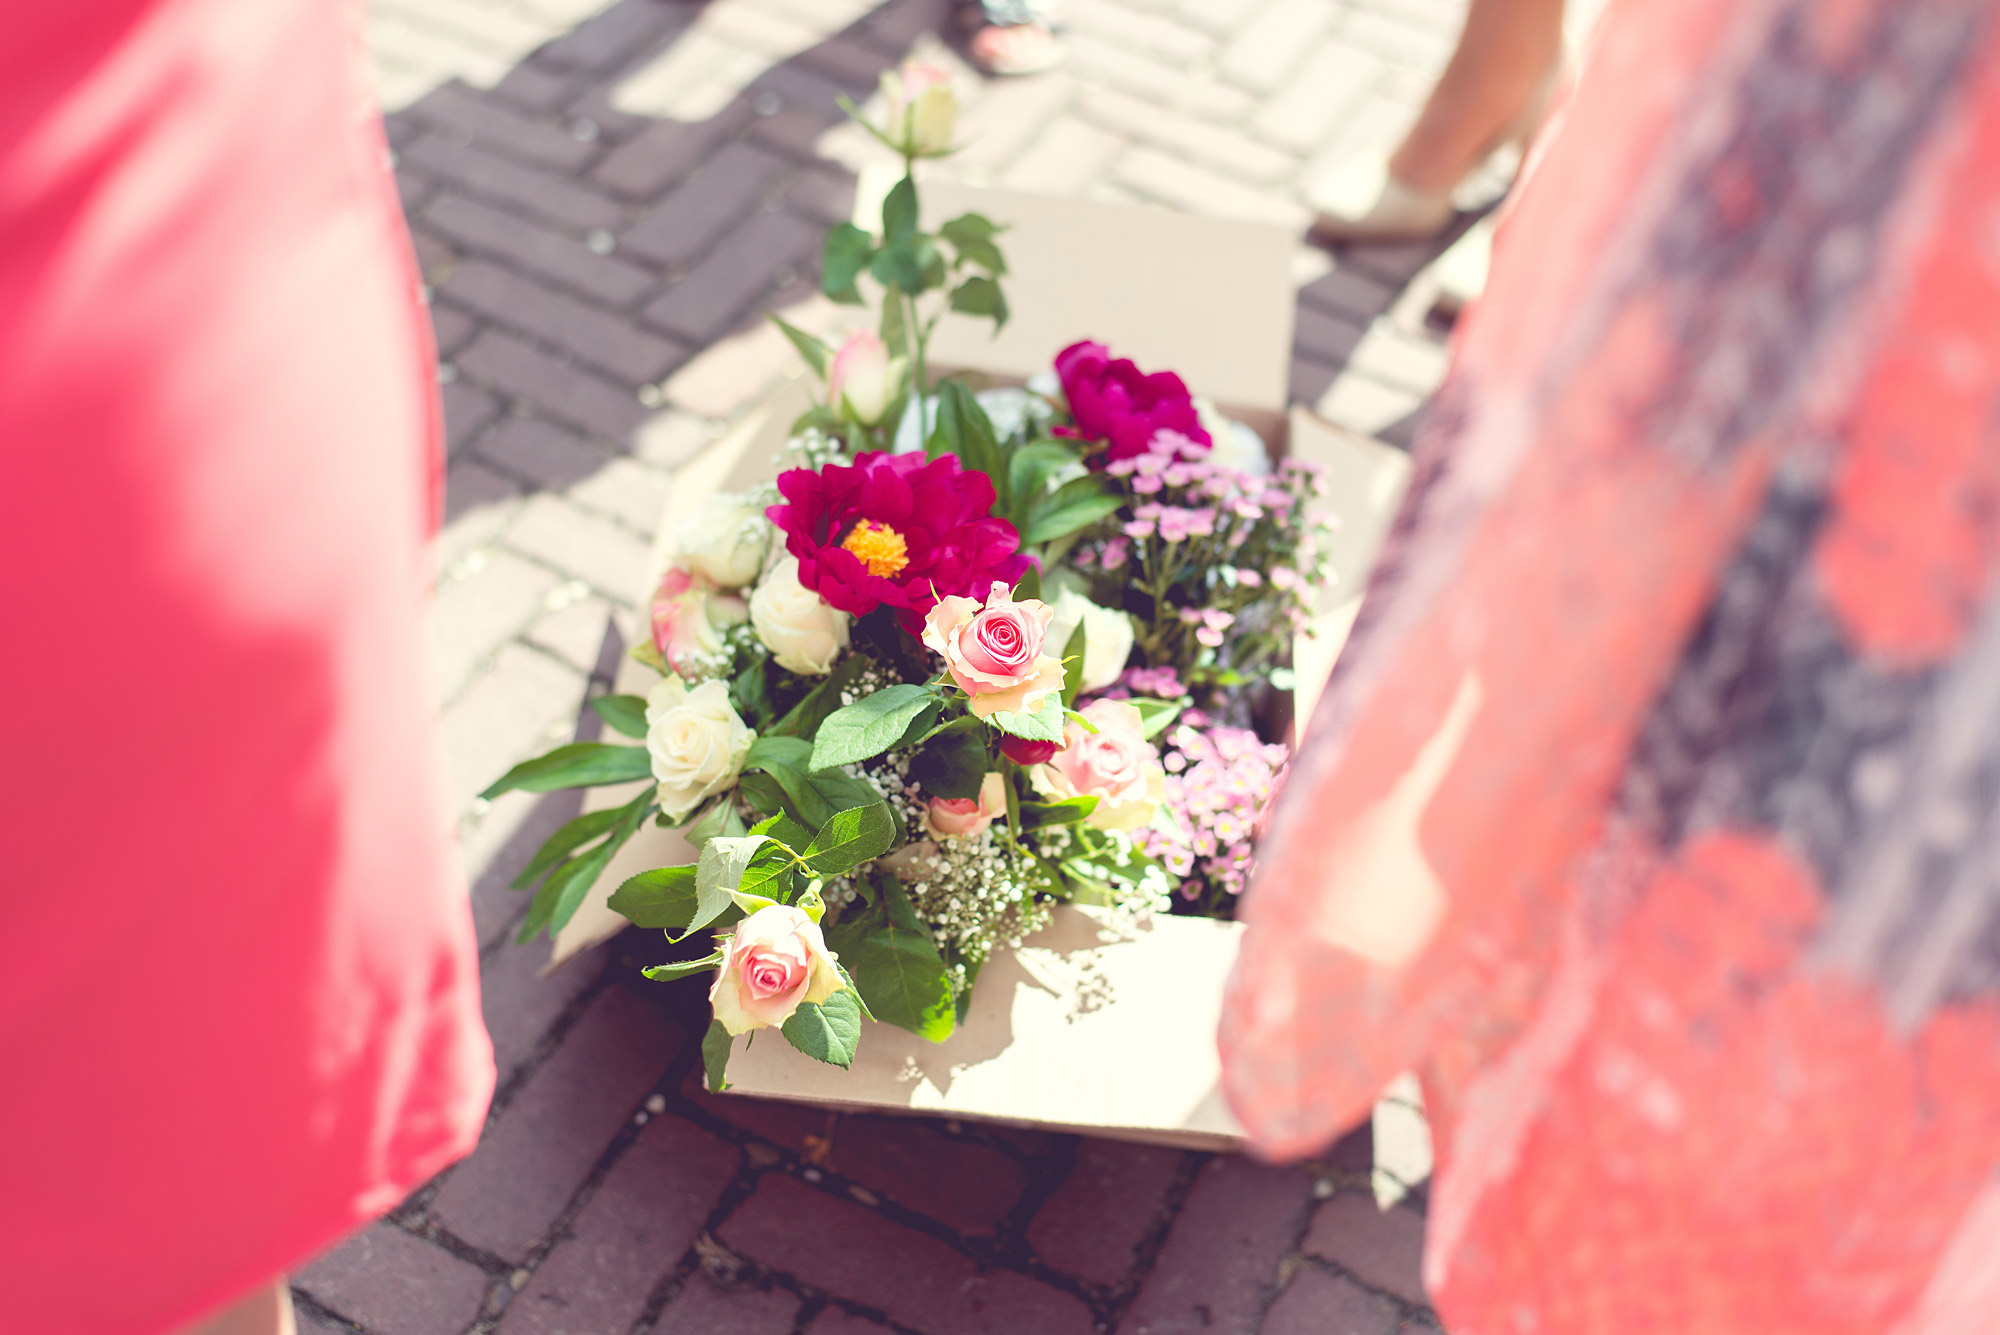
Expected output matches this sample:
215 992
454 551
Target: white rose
697 743
725 540
795 624
1107 638
922 108
1232 444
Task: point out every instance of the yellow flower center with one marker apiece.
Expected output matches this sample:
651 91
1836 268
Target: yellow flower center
880 547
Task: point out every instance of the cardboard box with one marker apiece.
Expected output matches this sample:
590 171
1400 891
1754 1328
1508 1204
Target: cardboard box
1082 1028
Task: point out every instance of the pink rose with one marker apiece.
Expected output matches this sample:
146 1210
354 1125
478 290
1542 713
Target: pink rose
775 961
687 617
963 817
1116 765
995 653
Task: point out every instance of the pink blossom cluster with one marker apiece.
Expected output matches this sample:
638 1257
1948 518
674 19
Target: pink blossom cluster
1165 682
1209 489
1218 782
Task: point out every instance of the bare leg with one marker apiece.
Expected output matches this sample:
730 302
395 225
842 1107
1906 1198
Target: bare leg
268 1311
1505 57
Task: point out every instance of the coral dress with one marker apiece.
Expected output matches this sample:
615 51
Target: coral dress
238 996
1653 813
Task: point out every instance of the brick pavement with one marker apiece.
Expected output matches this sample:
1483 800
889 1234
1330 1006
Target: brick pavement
604 198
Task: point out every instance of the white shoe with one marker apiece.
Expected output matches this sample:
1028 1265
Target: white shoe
1460 273
1361 201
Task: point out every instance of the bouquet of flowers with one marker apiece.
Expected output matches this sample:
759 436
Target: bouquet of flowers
971 655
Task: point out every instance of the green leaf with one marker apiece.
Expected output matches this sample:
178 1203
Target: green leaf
666 973
1029 469
869 726
564 841
1044 725
971 235
964 429
1072 659
803 800
979 295
901 264
1069 811
626 713
719 818
793 751
723 862
902 978
1077 504
962 999
848 978
785 830
762 792
582 873
715 1056
810 347
1029 585
663 897
1155 715
899 211
850 838
749 697
768 877
843 791
828 1032
847 252
895 328
953 764
805 717
578 765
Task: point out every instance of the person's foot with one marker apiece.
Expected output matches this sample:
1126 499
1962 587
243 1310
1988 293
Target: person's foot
1015 48
1361 201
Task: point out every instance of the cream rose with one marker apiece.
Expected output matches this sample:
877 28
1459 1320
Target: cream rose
795 624
724 541
1116 765
863 378
963 817
1107 638
697 743
774 962
922 108
688 617
994 652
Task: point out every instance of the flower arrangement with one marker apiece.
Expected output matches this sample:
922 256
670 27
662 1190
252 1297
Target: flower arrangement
910 698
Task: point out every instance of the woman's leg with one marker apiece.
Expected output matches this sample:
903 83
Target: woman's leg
1506 56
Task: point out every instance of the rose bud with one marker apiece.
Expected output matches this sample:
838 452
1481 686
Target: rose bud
863 378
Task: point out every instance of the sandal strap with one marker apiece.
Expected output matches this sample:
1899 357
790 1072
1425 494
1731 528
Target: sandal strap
1014 13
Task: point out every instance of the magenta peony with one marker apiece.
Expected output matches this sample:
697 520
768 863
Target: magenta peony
1116 402
893 530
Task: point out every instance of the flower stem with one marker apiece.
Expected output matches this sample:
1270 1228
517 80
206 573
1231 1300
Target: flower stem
921 373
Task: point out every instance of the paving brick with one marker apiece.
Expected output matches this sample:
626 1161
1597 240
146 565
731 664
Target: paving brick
561 259
396 1284
1007 115
1093 1224
1333 81
671 437
573 632
566 392
1382 1248
846 60
614 37
795 131
1170 180
1272 44
838 1321
668 150
823 194
705 1307
1067 156
895 26
492 599
607 340
1221 1258
310 1322
1316 1303
477 504
418 59
536 89
435 255
1323 337
496 844
1394 357
601 554
468 410
632 1232
1309 380
557 199
1155 35
799 1128
744 266
857 1254
469 118
1366 405
519 1006
1418 47
1219 16
731 374
507 714
451 328
544 1145
1223 149
413 188
627 490
962 1184
706 205
1183 90
472 25
1347 291
547 456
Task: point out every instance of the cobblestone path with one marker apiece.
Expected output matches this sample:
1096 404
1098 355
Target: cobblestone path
605 199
